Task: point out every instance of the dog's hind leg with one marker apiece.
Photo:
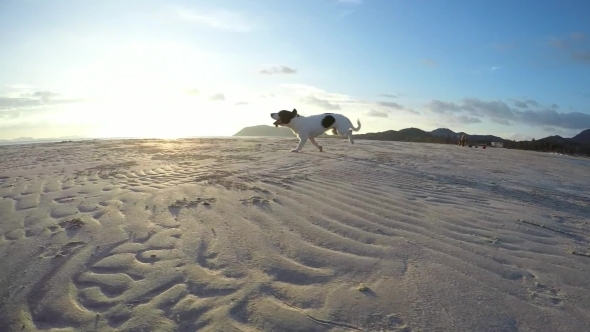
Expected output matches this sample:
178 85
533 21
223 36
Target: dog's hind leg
312 140
350 138
334 131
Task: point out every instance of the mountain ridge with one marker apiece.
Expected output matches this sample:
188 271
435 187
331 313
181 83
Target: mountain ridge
583 137
270 131
413 133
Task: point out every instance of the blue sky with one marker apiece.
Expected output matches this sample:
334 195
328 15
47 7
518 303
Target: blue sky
517 69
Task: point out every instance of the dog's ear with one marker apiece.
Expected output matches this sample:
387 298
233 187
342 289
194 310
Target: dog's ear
294 112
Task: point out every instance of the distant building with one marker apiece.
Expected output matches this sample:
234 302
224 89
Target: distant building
497 144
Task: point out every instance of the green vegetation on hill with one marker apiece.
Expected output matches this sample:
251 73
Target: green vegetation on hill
551 144
579 144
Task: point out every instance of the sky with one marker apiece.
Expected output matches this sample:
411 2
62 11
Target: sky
168 69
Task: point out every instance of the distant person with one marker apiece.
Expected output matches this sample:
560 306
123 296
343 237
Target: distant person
462 140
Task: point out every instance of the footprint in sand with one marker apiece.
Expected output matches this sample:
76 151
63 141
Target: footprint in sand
542 294
65 250
255 200
386 323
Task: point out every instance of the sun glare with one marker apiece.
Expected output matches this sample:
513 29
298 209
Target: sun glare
160 90
163 118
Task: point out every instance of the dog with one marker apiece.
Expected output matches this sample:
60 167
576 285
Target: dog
310 127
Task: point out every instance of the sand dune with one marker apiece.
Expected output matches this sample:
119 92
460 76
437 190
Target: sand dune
242 235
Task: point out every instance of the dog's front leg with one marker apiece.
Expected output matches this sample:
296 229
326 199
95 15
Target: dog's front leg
302 140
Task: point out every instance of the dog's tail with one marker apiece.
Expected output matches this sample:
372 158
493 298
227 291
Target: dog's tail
357 128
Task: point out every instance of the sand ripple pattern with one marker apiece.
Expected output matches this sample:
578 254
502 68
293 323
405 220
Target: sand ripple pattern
241 235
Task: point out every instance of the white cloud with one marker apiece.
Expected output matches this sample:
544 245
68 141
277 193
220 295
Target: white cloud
220 19
303 90
217 97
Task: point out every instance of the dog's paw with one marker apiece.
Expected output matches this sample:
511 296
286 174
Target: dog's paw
294 150
321 149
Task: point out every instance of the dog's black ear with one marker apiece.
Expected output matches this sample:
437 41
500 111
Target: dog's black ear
294 112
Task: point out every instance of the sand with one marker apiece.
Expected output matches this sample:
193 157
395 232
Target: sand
243 235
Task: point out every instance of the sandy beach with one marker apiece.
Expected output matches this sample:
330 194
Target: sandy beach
242 235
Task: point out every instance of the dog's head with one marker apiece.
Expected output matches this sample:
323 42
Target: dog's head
284 117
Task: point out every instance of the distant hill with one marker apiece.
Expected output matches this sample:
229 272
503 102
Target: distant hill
408 134
555 139
264 130
490 138
440 135
583 137
415 132
445 132
25 140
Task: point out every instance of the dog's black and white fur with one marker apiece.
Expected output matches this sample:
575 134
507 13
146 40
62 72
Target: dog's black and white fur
310 127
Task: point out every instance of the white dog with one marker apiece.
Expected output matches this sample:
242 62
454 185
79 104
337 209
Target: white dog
310 127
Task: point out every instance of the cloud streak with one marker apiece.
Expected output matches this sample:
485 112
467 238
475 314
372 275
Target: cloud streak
278 70
573 46
333 101
473 110
35 99
393 106
30 104
390 104
19 86
321 103
377 114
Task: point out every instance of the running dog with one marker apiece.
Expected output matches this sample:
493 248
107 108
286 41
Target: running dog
310 127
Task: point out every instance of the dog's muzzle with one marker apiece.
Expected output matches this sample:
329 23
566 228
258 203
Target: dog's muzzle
275 116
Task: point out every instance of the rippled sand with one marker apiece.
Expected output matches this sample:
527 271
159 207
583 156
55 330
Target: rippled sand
242 235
